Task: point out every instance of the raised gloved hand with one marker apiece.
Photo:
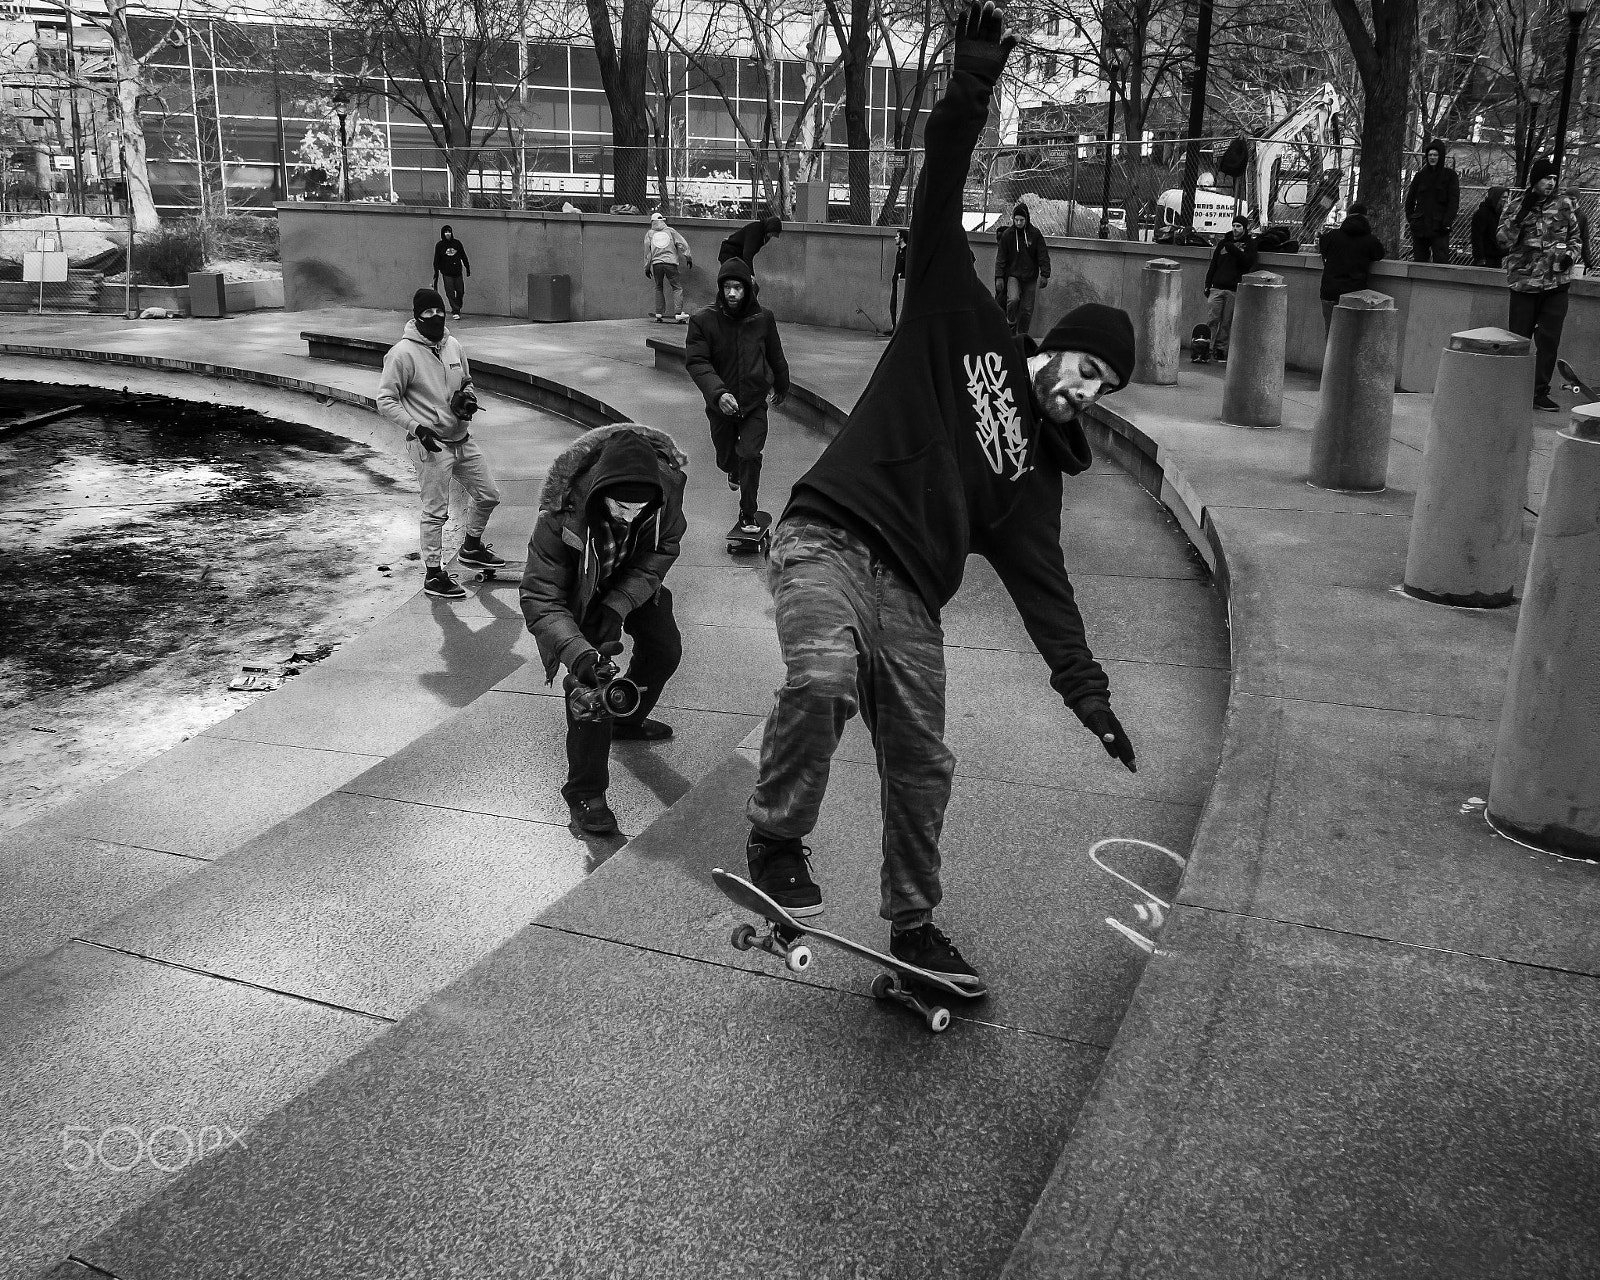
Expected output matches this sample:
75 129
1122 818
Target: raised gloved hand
1105 726
430 441
583 668
983 41
605 626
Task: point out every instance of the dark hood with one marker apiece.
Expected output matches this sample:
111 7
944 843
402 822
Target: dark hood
1496 197
1439 145
446 232
1027 218
626 458
738 269
1356 224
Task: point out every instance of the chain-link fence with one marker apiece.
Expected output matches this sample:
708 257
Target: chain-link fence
51 262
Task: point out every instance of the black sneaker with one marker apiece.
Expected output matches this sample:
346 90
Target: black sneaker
593 815
481 556
781 870
927 948
1546 404
643 731
1221 357
441 584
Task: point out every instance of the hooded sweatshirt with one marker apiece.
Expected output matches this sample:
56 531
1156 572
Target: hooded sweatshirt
746 242
561 578
1486 250
419 378
449 257
1434 196
1348 252
1023 252
945 453
663 244
737 352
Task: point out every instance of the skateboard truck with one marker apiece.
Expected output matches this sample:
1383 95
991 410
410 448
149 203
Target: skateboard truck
774 940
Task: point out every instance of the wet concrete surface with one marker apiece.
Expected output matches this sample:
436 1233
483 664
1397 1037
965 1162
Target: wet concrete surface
153 546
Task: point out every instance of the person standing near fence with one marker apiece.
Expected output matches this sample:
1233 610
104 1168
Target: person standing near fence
1539 232
1348 252
900 242
449 262
1021 268
1576 196
664 252
1486 250
1233 258
1432 201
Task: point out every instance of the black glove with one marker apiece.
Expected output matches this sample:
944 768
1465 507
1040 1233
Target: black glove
430 442
1105 726
583 668
983 42
464 403
605 626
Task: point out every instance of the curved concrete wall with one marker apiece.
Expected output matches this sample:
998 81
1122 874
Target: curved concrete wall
371 255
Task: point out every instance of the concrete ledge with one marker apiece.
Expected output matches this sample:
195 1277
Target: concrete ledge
812 408
515 384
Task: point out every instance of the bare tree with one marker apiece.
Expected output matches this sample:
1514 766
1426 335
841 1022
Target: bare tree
624 56
1383 48
927 21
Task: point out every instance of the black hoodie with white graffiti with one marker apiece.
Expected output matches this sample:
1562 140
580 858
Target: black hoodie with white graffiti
945 453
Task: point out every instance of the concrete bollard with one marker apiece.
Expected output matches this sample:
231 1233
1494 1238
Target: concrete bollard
1466 524
1545 788
1160 315
1350 443
1252 389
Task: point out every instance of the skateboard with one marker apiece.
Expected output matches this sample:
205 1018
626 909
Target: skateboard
782 937
1149 911
510 571
1573 382
738 540
1200 344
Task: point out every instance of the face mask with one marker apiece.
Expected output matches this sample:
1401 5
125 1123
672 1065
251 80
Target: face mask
432 328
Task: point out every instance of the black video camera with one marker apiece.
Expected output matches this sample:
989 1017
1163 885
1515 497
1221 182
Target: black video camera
465 403
612 697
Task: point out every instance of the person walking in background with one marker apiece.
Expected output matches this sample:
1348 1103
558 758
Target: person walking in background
900 242
1432 201
748 240
1539 232
1233 258
1021 268
1348 252
1486 250
426 391
664 252
450 262
1576 196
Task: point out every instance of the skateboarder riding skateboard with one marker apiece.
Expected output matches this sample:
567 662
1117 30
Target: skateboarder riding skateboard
733 354
957 446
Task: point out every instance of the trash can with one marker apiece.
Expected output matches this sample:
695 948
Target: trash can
208 295
811 202
549 299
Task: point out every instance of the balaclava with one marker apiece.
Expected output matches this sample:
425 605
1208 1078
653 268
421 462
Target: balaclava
422 300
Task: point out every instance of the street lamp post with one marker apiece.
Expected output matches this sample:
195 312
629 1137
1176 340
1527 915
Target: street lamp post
1577 10
341 105
1535 98
1116 59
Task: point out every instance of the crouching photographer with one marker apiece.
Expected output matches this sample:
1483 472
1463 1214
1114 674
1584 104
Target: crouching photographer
609 527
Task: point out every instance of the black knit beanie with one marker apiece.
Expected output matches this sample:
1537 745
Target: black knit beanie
1099 330
422 299
1542 167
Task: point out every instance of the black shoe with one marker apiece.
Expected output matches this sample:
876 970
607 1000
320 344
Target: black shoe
643 731
593 815
1221 357
481 556
927 948
1546 404
441 584
781 870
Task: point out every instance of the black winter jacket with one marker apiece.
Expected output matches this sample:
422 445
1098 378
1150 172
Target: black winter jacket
945 453
1486 250
1023 254
450 255
1348 252
1230 260
744 243
1432 200
737 353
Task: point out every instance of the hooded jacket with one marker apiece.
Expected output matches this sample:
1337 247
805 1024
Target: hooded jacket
736 352
1539 233
418 381
945 453
1230 261
746 242
1434 196
560 579
663 244
1486 250
1348 252
449 256
1022 252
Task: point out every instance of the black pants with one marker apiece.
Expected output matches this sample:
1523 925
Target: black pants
739 442
657 650
454 290
1540 316
1429 248
894 301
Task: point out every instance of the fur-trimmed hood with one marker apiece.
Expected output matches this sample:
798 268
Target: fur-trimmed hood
567 470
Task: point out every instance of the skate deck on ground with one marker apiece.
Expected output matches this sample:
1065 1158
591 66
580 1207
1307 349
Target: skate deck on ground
743 893
1574 382
511 570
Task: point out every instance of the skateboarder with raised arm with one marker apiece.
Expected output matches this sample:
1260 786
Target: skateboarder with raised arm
958 445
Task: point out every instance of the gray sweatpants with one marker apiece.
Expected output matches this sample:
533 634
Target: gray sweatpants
466 464
856 636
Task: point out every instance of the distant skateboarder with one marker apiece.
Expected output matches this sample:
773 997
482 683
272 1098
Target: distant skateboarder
749 239
449 262
1021 268
957 446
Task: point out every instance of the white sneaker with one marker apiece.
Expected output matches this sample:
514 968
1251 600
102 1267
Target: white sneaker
456 316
